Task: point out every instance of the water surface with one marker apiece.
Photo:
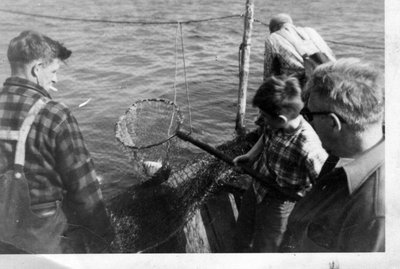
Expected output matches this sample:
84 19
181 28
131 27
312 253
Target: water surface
116 64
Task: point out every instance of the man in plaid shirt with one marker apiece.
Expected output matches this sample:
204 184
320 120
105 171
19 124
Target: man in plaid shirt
289 155
287 45
58 167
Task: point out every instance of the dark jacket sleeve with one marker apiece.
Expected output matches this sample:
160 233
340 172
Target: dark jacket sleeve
83 202
364 237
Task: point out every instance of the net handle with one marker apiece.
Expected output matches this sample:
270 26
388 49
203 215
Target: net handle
222 156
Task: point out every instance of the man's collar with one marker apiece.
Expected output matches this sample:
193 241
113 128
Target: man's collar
361 168
21 82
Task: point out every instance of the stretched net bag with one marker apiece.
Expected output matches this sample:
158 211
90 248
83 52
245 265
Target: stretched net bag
155 215
148 123
146 131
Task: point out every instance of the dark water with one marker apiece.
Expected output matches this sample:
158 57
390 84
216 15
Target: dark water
116 64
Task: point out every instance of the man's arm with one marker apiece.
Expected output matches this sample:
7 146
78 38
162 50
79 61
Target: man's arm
268 59
252 154
315 160
83 200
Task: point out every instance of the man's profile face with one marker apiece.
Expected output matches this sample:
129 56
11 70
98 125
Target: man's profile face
322 124
47 74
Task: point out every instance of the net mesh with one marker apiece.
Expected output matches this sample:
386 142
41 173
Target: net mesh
146 134
148 123
154 216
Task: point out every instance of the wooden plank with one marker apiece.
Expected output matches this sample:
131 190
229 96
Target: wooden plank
219 221
196 236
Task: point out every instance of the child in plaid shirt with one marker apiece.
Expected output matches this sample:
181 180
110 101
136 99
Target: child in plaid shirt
289 154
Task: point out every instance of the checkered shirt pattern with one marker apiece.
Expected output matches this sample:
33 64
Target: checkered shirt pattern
294 160
57 163
279 49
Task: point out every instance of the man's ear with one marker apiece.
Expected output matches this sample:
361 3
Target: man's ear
283 119
36 67
335 122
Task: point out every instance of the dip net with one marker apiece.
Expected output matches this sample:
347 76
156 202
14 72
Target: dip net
157 215
146 133
148 123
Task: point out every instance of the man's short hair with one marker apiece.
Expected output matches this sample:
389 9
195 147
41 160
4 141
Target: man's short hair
279 95
30 45
350 88
277 21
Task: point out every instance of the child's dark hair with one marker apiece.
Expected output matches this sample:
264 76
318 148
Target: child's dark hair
279 95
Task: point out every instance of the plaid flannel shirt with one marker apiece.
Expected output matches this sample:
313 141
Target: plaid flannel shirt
57 163
294 160
282 57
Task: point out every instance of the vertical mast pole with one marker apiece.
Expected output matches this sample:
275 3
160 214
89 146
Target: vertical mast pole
244 67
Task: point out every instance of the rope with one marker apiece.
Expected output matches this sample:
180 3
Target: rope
355 45
176 60
115 21
164 22
176 74
261 22
186 83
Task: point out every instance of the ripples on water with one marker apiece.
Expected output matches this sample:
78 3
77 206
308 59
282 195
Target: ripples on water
115 64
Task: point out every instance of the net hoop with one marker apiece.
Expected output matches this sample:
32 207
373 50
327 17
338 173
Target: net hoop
123 135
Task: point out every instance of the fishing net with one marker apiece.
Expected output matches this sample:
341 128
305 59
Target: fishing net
146 130
148 123
157 215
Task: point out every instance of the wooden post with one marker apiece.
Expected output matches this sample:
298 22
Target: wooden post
244 67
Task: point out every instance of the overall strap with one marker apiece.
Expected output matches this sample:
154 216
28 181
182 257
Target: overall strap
25 128
314 38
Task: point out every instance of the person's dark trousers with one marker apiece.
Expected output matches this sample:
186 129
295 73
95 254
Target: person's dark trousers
260 227
244 229
271 220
